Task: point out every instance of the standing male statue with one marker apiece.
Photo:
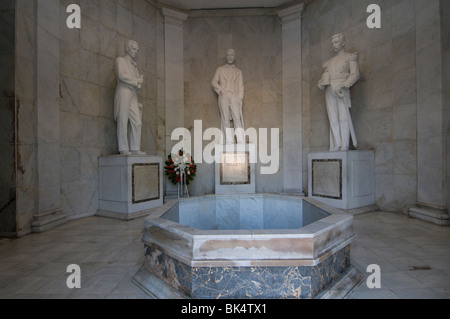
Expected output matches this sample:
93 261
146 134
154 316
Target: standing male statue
127 109
340 73
229 84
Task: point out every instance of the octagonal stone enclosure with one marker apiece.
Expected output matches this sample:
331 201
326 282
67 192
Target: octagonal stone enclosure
244 246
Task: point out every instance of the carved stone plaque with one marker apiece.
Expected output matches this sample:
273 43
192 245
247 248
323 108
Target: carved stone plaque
145 182
327 178
235 168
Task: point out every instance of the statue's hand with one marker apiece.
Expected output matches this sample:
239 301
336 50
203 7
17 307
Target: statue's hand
321 85
339 91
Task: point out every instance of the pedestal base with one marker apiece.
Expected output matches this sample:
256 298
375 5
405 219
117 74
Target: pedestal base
430 214
129 185
48 220
344 180
235 169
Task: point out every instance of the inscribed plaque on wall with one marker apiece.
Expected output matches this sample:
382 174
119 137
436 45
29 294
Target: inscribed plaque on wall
235 168
145 182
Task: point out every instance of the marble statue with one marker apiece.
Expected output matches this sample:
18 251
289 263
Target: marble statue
229 85
340 73
127 109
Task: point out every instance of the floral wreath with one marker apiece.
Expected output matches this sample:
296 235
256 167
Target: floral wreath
175 163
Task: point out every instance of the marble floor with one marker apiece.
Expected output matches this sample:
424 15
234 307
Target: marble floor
414 257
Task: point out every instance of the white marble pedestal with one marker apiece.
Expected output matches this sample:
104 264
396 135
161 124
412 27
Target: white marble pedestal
235 169
129 185
344 180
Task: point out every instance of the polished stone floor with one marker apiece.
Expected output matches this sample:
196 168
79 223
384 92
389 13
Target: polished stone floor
413 255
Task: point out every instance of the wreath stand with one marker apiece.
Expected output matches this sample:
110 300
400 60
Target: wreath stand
182 186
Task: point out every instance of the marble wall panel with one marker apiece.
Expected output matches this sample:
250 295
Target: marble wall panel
7 121
107 46
70 94
90 34
402 17
79 198
71 135
404 87
70 164
69 60
90 8
404 115
25 74
107 76
445 29
108 13
405 190
89 66
90 99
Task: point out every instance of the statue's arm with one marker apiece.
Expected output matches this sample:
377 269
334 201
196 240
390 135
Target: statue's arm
215 82
354 71
241 86
325 79
124 76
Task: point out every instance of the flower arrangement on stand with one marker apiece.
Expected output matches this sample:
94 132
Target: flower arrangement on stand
181 169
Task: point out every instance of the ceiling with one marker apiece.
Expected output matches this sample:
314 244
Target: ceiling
224 4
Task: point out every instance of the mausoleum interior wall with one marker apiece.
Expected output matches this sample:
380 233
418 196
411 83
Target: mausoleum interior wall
445 13
25 129
384 99
7 119
257 41
384 109
87 88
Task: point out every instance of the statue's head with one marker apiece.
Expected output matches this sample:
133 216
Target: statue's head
132 48
338 42
231 56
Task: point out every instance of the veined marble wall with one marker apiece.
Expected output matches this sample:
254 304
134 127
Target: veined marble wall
392 99
25 74
87 88
445 13
257 41
7 119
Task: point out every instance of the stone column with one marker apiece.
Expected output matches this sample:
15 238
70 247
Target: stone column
174 77
48 211
292 99
431 115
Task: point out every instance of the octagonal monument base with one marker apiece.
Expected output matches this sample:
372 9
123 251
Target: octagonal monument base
292 248
163 277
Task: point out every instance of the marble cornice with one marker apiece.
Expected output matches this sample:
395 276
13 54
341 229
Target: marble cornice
174 17
292 8
232 12
291 13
